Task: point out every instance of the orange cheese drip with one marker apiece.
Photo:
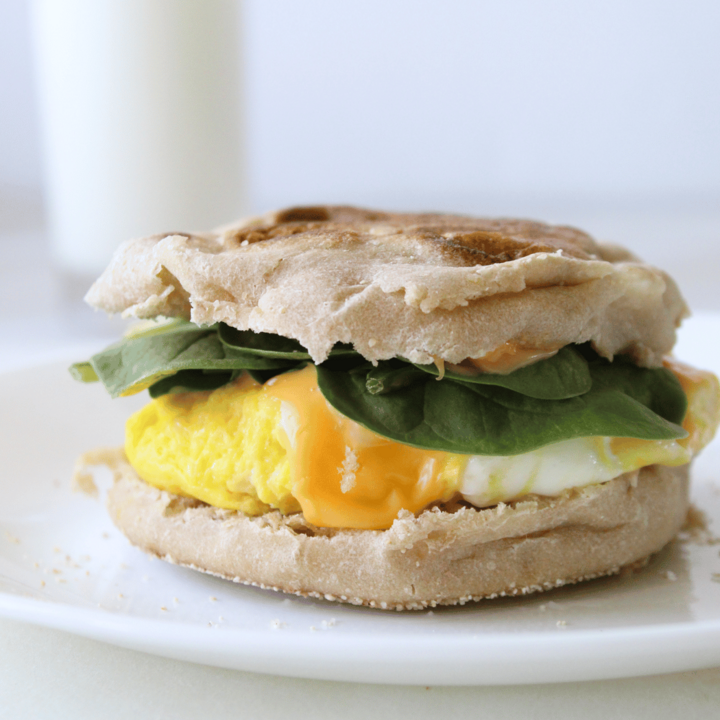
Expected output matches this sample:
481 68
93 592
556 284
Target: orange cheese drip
346 476
504 359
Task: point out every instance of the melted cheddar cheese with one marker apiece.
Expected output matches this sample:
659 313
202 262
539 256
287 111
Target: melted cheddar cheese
505 359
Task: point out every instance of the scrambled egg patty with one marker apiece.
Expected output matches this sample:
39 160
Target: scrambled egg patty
226 447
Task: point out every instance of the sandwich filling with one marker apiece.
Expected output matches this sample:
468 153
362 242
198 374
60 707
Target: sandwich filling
245 421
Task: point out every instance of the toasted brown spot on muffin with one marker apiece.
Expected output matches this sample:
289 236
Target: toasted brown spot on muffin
303 214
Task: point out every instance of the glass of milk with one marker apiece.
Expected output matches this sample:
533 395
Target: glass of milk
142 122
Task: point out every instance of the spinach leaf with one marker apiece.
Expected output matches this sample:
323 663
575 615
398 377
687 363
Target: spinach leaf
138 362
83 372
247 342
561 376
392 414
390 376
573 394
192 381
657 388
491 420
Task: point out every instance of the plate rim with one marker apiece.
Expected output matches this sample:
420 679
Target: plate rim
592 654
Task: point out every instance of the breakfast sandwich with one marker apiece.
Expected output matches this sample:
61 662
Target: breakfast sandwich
399 410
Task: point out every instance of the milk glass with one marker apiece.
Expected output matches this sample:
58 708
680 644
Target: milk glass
142 120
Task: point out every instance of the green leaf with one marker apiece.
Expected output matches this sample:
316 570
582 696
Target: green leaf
146 328
151 356
391 376
192 381
657 388
83 372
561 376
573 394
247 342
490 420
391 415
267 345
136 363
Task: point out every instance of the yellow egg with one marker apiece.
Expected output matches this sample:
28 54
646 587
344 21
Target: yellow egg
702 389
225 447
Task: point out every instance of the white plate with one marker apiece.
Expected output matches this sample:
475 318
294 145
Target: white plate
63 565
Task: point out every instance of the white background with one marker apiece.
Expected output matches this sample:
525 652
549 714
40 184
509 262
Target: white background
420 101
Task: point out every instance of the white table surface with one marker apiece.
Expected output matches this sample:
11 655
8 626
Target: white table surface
50 674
